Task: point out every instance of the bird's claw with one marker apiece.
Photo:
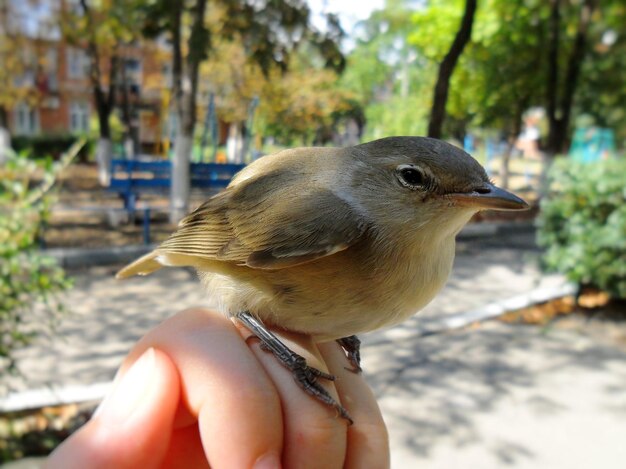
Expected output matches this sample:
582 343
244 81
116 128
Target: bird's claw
307 377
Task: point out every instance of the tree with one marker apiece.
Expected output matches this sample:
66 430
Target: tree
268 35
446 68
600 92
559 110
304 106
102 29
17 59
504 70
494 83
387 74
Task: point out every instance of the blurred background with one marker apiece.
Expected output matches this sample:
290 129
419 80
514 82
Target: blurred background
119 116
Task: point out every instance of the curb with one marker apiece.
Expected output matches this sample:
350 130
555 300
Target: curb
486 229
90 257
495 309
50 397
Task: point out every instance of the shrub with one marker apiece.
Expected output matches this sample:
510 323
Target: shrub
582 223
29 280
48 144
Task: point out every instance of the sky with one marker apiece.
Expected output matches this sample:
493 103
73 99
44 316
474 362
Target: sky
349 12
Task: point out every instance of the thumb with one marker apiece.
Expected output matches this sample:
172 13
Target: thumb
133 425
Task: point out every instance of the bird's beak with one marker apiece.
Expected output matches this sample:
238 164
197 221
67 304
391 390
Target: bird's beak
490 197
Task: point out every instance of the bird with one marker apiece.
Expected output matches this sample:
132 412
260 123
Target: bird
332 242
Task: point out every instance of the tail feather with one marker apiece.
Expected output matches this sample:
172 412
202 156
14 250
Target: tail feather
145 265
155 260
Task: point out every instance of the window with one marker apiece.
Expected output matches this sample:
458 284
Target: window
133 69
79 117
25 79
76 63
28 60
51 69
26 120
166 72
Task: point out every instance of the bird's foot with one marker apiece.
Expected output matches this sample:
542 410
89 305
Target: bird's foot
352 346
305 376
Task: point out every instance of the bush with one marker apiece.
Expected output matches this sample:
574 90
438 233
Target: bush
48 144
582 224
29 280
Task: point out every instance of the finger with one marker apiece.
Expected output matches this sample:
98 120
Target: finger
309 424
186 450
223 387
132 426
368 441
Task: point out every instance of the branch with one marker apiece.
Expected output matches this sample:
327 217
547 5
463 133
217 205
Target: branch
64 162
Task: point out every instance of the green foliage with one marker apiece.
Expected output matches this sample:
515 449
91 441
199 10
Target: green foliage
46 144
388 74
583 223
304 105
29 280
501 73
396 116
602 93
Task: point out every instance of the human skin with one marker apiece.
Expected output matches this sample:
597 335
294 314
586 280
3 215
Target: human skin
198 391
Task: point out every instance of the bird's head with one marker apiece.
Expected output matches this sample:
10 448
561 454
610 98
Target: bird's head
423 181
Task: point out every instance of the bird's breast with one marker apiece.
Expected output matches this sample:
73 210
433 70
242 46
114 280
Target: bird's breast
350 292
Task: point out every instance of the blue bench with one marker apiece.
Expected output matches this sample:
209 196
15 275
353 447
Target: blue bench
131 178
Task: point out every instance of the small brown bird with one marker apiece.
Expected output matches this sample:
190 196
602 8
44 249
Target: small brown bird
332 242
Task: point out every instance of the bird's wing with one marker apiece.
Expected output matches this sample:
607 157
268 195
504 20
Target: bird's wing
268 222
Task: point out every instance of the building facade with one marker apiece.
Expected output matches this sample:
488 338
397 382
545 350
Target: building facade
53 91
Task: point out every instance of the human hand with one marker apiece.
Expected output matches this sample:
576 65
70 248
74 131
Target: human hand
198 391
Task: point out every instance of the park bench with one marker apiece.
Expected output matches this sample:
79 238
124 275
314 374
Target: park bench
131 178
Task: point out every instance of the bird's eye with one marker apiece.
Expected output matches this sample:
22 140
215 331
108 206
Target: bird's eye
410 176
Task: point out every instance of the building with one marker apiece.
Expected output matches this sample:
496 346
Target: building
54 86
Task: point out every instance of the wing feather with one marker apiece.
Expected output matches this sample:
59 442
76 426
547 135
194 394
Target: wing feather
268 222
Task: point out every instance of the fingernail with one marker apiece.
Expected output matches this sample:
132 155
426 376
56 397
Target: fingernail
129 393
267 461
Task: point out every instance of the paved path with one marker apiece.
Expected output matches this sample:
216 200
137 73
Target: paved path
107 316
502 396
496 396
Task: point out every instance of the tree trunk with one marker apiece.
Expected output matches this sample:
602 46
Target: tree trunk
574 64
554 28
235 144
185 86
104 146
104 155
104 101
559 116
438 111
516 129
129 117
179 191
179 197
4 117
5 136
